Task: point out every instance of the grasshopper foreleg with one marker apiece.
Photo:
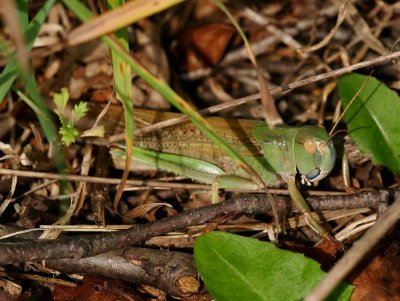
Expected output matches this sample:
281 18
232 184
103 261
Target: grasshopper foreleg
302 205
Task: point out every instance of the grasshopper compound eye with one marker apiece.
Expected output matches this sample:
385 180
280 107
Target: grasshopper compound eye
313 175
310 145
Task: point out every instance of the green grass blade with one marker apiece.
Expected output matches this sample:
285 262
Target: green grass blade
39 107
250 52
22 6
28 101
123 86
10 72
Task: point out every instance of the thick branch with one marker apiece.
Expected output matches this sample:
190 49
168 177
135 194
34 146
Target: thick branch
90 245
173 272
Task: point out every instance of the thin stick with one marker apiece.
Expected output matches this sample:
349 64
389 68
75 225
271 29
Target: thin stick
100 180
360 248
140 183
38 278
256 96
329 36
115 181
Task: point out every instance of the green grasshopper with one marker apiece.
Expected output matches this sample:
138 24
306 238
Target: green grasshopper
276 154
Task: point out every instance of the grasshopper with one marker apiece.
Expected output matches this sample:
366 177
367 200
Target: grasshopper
276 154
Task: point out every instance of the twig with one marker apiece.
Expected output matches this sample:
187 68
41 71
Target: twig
90 245
256 96
328 37
280 35
100 180
361 27
37 278
360 248
8 199
142 184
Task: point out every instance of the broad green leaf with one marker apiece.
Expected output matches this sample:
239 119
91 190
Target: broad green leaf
372 119
239 268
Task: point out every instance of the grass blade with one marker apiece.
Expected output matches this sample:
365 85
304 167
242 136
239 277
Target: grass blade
10 72
123 86
117 18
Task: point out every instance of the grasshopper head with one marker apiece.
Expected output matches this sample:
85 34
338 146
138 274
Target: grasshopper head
314 153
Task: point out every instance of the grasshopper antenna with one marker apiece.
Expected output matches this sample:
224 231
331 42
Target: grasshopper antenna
348 106
333 135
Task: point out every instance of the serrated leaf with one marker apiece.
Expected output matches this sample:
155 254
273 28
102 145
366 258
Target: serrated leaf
239 268
79 111
68 135
372 119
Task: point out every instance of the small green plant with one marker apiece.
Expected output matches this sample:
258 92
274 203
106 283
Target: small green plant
68 131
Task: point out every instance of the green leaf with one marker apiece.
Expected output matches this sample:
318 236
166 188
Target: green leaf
97 131
63 121
68 130
79 111
372 119
239 268
61 100
68 135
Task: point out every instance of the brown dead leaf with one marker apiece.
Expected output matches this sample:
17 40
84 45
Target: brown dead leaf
379 278
94 289
325 253
203 46
143 209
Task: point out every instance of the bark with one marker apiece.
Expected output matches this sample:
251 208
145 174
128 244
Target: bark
93 244
173 272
